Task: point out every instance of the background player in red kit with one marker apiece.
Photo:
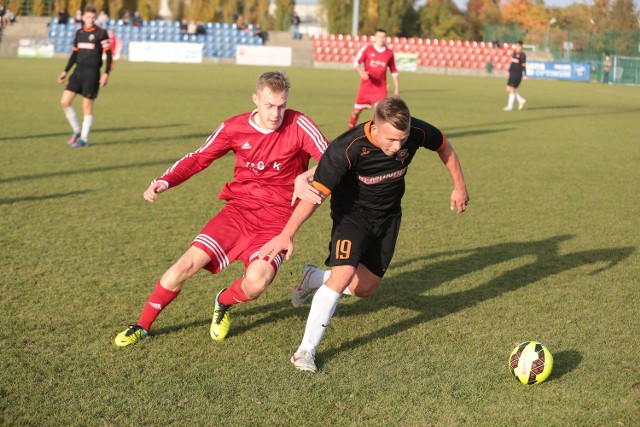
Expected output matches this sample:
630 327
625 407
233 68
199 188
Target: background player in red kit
363 170
89 44
272 145
376 57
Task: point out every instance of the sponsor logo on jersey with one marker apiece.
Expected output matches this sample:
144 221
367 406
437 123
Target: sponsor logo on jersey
91 37
89 46
402 155
246 146
381 178
365 151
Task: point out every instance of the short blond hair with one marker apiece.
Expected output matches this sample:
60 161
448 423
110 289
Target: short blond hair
277 81
394 111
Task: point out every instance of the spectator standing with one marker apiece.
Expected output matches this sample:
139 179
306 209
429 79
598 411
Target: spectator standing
295 26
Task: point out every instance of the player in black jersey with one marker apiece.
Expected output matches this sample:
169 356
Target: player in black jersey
363 170
517 73
89 44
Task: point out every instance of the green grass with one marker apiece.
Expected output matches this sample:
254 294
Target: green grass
548 251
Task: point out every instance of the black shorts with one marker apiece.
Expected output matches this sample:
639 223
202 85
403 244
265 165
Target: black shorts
514 79
85 81
362 238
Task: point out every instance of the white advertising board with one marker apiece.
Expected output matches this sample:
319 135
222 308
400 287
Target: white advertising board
263 55
165 52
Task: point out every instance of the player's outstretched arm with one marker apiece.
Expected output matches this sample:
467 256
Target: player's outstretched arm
284 240
155 188
459 195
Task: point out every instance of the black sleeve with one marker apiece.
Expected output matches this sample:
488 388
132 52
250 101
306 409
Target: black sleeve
332 167
109 61
432 138
523 63
72 60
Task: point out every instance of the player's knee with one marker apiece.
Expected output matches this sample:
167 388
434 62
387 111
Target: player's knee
185 267
364 293
255 283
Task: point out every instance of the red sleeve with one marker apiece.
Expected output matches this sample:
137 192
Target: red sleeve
392 64
314 141
216 146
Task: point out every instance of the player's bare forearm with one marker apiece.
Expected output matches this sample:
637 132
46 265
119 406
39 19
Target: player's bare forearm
460 195
284 241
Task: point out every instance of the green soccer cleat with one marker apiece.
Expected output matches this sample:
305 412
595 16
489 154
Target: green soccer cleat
131 335
220 324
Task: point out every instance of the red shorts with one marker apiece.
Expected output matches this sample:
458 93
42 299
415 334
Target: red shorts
236 233
369 94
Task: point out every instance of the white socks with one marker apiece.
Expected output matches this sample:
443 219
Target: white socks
518 97
320 277
323 306
87 122
512 98
72 118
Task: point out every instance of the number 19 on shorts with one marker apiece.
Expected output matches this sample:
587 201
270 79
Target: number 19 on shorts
343 249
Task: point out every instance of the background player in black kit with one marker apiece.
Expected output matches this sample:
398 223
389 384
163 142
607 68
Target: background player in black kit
363 170
89 44
517 72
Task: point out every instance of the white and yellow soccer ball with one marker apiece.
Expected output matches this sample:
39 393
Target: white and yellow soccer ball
531 362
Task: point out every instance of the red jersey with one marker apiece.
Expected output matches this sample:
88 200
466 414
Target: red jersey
267 161
376 63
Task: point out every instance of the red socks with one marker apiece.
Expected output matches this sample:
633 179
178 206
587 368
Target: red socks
352 120
158 300
233 294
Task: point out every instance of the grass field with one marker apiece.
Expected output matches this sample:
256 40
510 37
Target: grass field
547 251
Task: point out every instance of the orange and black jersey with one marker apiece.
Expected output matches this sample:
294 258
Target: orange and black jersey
88 46
358 174
518 64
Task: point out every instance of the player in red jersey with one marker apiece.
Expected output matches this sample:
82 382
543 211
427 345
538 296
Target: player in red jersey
89 44
272 146
376 57
364 171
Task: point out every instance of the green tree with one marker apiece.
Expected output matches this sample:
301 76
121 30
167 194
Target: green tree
284 11
481 13
392 13
442 19
339 13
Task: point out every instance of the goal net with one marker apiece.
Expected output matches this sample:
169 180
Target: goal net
625 70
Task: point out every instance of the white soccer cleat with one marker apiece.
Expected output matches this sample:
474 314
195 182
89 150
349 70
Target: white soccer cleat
302 290
303 360
507 109
521 104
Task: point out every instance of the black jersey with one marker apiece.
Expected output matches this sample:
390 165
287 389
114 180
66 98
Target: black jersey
518 64
358 174
88 46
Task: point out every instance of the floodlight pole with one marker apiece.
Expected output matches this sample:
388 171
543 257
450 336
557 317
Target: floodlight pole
355 18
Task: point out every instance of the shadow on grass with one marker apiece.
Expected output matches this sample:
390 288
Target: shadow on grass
96 130
451 135
154 139
86 171
405 290
39 198
563 363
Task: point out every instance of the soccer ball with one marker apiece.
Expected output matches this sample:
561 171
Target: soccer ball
531 362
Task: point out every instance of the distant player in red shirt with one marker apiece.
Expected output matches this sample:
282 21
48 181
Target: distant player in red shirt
89 44
272 146
376 57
